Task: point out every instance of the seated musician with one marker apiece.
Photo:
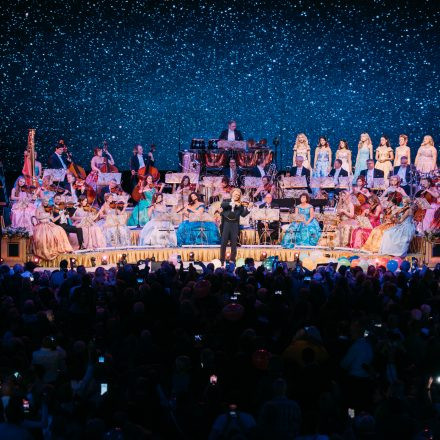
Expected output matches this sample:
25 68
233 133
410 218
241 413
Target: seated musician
406 172
231 134
337 171
186 186
232 172
429 192
300 170
71 186
371 173
224 190
61 217
393 188
266 187
112 187
273 227
260 169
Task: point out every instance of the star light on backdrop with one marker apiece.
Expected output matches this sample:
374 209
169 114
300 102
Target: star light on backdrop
141 71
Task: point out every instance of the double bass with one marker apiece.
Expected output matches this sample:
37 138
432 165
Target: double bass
78 171
151 169
106 167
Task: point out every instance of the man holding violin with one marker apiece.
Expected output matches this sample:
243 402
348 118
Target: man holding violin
231 211
61 217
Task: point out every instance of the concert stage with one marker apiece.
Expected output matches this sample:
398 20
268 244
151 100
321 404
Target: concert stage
309 256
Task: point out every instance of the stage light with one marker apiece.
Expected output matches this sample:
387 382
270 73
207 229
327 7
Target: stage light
104 260
93 261
296 256
72 263
2 260
263 256
191 256
36 260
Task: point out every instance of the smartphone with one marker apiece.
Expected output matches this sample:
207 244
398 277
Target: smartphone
49 315
213 379
234 297
366 333
179 259
104 388
278 292
31 278
17 375
233 410
25 406
378 325
198 338
351 413
307 279
101 359
140 280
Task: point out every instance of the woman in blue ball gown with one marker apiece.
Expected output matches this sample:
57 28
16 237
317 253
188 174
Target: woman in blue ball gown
192 232
396 240
140 212
303 233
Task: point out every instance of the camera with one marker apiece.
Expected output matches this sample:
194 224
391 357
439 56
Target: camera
213 379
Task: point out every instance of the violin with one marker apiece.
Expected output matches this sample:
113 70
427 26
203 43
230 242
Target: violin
89 208
57 189
117 190
117 205
28 188
90 192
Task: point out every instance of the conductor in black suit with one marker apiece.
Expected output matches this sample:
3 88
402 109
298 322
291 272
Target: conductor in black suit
232 210
300 170
371 173
231 134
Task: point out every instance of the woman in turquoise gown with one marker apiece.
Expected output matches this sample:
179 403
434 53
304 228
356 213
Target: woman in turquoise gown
303 233
365 152
396 240
140 211
197 232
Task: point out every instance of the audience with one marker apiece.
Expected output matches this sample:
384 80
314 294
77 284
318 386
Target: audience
236 353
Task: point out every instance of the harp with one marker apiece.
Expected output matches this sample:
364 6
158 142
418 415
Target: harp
29 159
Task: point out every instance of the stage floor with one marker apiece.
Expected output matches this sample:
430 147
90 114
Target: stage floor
311 256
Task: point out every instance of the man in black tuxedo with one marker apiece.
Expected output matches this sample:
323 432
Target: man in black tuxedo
272 226
299 170
371 173
232 172
57 160
232 210
337 171
137 161
259 170
406 173
231 134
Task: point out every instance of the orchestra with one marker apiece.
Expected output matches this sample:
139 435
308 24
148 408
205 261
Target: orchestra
231 188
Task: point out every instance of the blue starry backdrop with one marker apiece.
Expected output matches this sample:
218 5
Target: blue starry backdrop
145 71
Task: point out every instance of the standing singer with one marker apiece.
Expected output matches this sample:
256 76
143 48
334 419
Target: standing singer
232 210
